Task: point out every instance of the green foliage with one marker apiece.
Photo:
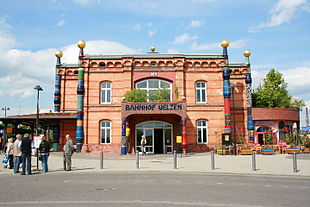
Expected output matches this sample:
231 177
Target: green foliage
162 95
273 93
136 95
176 91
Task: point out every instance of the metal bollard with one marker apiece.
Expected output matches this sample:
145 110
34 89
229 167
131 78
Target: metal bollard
295 162
212 161
175 161
137 160
253 160
65 164
101 160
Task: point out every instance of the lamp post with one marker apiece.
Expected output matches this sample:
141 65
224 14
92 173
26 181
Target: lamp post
232 87
5 109
38 88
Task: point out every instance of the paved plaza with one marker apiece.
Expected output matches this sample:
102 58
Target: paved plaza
279 164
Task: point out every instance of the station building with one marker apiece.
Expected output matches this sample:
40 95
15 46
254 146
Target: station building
202 88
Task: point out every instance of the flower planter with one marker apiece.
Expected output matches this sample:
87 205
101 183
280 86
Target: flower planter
292 150
268 151
246 152
306 150
222 151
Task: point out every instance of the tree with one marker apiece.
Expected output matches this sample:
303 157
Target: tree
273 93
136 95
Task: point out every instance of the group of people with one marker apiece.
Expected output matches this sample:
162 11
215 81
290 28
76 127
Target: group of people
20 151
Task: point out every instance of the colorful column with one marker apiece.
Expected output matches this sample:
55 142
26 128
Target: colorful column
226 89
58 54
248 81
80 99
124 144
184 140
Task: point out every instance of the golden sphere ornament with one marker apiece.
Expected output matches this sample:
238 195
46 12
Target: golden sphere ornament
247 53
225 43
58 54
81 44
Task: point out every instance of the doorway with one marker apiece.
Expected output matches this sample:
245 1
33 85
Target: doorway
158 141
158 136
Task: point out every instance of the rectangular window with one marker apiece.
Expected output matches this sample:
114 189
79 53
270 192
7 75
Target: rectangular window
202 132
106 93
201 92
105 132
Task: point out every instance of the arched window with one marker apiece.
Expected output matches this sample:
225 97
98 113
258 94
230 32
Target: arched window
105 93
201 92
152 86
202 132
105 134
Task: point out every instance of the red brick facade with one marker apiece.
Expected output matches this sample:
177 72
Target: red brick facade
181 71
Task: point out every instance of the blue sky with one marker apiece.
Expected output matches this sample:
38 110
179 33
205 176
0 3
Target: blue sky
276 31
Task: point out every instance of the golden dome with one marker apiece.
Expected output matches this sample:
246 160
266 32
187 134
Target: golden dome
58 54
153 49
81 44
247 53
225 43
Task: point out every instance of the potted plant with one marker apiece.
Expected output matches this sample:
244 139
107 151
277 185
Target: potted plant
307 147
293 149
246 150
223 151
268 150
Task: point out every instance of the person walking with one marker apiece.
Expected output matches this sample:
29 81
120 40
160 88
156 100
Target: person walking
17 153
143 143
9 152
25 147
44 150
68 150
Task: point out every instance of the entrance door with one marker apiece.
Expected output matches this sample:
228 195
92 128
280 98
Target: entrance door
158 141
158 136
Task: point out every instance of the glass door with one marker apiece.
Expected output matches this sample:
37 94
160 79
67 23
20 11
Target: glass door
149 136
168 142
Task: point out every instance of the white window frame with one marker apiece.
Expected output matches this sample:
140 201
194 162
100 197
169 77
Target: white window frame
147 88
204 137
201 89
106 93
106 129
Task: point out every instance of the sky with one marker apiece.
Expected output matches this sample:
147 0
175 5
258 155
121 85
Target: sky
276 31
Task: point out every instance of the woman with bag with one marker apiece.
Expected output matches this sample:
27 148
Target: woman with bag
9 152
44 149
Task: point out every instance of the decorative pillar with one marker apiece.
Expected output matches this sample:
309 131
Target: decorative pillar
184 140
226 89
124 144
58 54
248 81
80 98
56 134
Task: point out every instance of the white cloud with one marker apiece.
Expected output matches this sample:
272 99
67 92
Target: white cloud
71 52
3 23
210 46
298 84
86 2
196 23
282 12
60 23
152 33
183 38
173 51
21 70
